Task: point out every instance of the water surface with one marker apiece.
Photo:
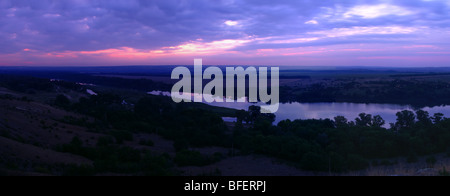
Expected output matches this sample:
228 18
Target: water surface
351 111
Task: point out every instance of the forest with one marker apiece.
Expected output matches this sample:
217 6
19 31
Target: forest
418 93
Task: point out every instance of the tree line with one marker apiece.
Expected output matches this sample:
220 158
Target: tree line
341 145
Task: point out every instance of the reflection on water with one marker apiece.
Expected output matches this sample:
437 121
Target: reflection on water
294 111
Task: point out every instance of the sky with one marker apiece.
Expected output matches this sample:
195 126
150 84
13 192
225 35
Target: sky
386 33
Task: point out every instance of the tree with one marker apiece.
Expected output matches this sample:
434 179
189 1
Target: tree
254 113
241 116
364 120
340 121
423 117
405 119
269 117
377 121
438 117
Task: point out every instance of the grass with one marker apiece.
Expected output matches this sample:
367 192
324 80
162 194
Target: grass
422 168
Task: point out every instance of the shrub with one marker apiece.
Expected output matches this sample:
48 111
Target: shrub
444 172
76 170
412 158
146 143
190 158
214 173
216 157
105 141
42 170
356 162
62 101
155 165
5 133
387 163
431 161
314 162
122 136
180 145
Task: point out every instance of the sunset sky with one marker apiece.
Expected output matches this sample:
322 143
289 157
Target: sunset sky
225 32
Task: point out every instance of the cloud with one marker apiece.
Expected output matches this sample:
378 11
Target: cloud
312 22
161 30
202 48
231 23
376 30
375 11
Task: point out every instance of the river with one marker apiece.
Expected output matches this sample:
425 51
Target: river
351 111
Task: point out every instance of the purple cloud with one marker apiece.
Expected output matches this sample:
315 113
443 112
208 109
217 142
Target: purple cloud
90 32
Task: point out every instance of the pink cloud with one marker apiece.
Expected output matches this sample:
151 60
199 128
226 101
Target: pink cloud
433 52
224 52
303 53
421 46
206 48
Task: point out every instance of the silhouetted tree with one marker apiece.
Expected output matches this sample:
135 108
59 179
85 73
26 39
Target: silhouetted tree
423 117
363 120
405 119
340 121
241 116
378 121
438 117
254 113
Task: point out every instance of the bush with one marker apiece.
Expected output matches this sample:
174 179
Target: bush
43 170
105 141
62 101
190 158
217 157
122 136
5 133
155 165
356 162
431 161
444 172
128 154
75 170
146 143
214 173
387 163
412 158
74 147
337 163
314 162
180 145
